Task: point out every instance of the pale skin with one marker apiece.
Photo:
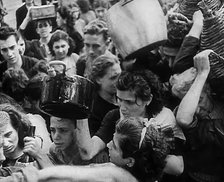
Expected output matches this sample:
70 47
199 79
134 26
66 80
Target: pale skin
89 147
189 103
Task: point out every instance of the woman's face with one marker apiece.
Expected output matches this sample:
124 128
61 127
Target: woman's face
108 81
10 139
130 106
21 46
60 49
59 20
115 152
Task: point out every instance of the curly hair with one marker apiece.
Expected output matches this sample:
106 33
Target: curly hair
84 5
150 157
18 120
144 84
61 35
97 27
100 67
14 82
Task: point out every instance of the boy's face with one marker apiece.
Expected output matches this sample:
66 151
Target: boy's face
101 13
10 50
62 132
43 28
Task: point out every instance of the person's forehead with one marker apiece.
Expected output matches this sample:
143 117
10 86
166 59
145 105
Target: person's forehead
10 41
126 95
91 38
60 122
114 70
60 42
42 21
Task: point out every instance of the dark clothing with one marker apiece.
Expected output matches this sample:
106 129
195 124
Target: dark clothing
203 152
154 63
81 65
34 49
107 128
30 31
184 58
100 108
28 64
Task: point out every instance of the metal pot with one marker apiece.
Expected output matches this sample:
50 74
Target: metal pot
136 26
67 97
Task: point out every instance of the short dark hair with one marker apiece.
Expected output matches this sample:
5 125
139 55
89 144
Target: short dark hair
6 32
97 27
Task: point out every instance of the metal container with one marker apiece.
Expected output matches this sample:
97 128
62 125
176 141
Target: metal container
42 12
67 97
136 26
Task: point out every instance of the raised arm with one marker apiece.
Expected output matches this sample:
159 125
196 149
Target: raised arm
189 103
88 147
190 45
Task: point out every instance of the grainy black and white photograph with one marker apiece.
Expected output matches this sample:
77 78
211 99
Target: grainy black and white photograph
112 90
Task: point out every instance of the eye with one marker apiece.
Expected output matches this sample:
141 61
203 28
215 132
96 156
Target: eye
8 134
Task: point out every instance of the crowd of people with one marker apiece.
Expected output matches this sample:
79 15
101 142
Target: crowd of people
156 117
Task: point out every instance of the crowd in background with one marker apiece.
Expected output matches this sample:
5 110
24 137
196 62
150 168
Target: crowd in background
157 117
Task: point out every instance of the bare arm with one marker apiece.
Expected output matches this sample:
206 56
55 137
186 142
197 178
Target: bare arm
88 146
189 103
103 173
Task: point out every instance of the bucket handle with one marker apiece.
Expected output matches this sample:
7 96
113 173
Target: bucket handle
56 62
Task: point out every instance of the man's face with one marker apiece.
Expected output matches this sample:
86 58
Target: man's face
10 50
108 81
10 139
62 132
95 45
101 12
43 28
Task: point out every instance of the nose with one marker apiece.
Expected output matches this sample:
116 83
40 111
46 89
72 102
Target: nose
10 53
109 145
56 136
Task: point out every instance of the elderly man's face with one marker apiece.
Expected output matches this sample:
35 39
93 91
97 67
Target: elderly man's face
95 45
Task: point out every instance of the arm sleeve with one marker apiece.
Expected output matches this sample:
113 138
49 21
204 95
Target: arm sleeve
107 128
184 58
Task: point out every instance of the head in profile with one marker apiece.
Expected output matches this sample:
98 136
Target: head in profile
140 148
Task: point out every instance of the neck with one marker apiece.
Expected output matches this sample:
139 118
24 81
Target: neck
45 40
17 64
29 4
111 98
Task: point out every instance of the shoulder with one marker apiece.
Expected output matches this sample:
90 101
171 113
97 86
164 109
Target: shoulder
75 56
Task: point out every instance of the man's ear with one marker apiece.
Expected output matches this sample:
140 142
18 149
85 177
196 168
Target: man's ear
130 161
98 81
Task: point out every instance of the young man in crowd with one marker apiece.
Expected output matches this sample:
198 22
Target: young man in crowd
9 49
96 41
